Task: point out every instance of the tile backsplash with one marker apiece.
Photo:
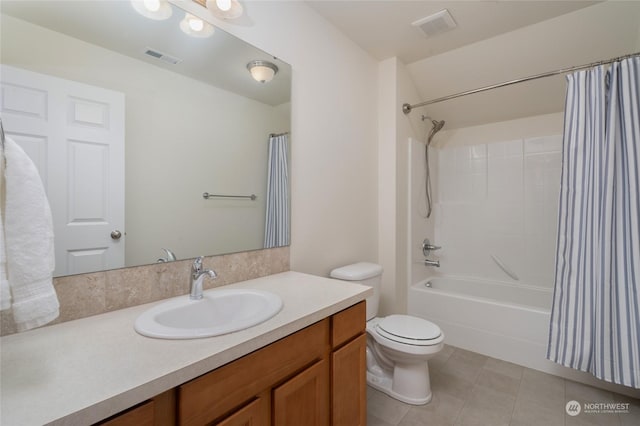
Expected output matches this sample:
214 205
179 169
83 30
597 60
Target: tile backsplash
85 295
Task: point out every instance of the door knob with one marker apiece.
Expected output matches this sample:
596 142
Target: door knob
116 235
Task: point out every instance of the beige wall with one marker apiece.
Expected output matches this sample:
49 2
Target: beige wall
334 122
158 144
387 158
396 132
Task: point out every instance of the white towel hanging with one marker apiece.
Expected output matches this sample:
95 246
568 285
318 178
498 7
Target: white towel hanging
28 232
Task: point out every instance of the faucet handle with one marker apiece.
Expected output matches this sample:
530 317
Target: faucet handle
427 247
197 264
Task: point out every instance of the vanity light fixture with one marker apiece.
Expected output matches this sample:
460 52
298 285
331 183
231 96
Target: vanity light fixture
225 9
262 71
196 27
223 5
158 10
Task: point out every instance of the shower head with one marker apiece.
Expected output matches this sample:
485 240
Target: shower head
437 126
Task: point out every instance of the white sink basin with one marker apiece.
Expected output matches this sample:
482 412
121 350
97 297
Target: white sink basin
220 311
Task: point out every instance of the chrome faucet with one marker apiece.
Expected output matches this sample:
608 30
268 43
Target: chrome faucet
427 248
197 276
171 257
435 263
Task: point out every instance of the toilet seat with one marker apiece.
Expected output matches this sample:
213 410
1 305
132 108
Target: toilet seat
409 330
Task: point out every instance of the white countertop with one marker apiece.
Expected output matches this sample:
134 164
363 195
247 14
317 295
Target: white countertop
82 371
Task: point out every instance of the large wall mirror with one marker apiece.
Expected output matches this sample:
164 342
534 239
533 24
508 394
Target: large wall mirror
123 112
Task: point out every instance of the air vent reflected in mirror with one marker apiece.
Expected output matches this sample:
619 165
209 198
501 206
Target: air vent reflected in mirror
162 56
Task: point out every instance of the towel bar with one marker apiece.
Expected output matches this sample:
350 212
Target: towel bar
207 196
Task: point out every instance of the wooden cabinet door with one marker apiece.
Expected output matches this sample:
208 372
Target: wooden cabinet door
254 414
349 390
304 399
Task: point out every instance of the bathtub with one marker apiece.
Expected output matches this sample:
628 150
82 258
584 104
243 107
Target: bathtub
501 320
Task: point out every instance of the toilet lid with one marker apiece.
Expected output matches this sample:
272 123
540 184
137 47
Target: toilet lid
408 328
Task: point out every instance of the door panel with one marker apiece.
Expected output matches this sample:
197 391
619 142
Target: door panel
74 133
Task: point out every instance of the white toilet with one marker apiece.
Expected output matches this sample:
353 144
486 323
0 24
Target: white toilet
398 346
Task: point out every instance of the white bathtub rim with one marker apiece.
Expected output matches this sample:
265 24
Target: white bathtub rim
487 281
422 287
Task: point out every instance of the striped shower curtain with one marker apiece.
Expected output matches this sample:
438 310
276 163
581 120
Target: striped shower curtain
595 317
276 232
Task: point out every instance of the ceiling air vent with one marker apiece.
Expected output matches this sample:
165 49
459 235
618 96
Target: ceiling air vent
162 56
435 24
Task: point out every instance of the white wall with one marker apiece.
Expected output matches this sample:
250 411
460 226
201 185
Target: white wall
177 145
333 132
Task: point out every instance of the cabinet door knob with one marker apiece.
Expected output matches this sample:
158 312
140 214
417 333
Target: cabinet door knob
116 235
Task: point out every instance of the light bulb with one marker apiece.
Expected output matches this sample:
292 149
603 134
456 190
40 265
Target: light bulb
158 10
224 9
223 5
152 5
196 24
196 27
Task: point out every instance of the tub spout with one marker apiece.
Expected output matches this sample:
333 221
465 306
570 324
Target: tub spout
435 263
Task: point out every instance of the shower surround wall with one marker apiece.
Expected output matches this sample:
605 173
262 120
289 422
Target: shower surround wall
497 209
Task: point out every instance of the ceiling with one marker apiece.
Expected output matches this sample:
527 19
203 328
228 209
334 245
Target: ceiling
383 28
494 42
116 26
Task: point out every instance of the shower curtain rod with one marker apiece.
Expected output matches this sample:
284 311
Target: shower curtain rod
275 135
406 108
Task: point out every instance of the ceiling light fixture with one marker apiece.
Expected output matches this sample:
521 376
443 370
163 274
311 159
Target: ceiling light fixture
196 27
158 10
262 71
225 9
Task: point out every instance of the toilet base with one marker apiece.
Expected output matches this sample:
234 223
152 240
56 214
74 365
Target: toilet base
385 385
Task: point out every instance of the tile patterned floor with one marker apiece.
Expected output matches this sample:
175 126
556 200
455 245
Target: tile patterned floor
470 389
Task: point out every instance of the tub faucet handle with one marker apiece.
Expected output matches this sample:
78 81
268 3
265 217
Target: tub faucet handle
427 247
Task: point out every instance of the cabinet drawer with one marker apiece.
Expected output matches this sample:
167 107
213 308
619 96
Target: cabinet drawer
215 394
348 324
142 415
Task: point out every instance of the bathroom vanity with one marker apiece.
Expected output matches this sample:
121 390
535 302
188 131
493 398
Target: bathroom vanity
306 366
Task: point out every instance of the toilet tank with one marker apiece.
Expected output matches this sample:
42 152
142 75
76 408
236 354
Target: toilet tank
365 273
